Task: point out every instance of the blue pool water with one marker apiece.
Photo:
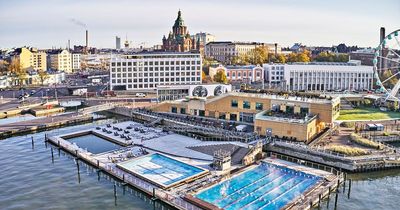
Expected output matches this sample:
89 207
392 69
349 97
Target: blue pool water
161 169
266 186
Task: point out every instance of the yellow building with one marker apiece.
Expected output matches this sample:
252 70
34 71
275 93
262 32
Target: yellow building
61 60
293 117
32 58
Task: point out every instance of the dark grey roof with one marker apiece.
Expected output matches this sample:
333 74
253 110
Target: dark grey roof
237 152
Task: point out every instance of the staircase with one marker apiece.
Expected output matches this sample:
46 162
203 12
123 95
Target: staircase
345 104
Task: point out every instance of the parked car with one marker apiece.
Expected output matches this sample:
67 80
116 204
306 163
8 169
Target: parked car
140 95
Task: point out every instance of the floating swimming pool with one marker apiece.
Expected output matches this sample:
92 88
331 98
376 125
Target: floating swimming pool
161 170
266 186
94 144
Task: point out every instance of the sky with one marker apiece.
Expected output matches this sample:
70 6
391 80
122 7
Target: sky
50 23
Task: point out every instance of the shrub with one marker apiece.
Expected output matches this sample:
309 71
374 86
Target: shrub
347 124
349 151
364 142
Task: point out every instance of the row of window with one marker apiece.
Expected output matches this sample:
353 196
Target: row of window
172 68
244 74
151 63
247 105
156 74
174 79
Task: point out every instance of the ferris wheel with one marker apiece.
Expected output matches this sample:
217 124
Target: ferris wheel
386 66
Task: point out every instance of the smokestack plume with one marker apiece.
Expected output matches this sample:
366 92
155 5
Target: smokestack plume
87 39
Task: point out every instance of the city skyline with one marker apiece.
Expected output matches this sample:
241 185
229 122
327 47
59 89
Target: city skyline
285 22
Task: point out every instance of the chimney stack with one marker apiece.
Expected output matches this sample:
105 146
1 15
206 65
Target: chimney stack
382 34
276 49
69 45
87 39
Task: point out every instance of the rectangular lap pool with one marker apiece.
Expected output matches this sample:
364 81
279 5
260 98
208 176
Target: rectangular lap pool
161 170
266 186
94 144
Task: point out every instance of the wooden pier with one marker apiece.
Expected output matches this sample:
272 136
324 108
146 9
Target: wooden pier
41 124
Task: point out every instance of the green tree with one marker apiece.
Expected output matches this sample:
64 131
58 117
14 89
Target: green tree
43 75
220 77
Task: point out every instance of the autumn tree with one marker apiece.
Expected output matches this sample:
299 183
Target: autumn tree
43 75
18 72
259 55
220 77
386 75
304 56
279 58
3 67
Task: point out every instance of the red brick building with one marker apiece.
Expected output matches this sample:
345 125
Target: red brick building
179 39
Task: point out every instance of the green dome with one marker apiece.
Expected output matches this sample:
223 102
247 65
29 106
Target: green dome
179 20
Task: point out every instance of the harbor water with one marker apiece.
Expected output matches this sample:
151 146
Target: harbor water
31 179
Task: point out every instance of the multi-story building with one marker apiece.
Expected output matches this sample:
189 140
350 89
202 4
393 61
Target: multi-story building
202 39
61 60
298 118
247 74
31 58
145 71
179 39
319 76
76 61
366 56
227 50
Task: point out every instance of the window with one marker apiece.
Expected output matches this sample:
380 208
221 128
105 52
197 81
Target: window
234 103
183 110
259 106
246 105
174 109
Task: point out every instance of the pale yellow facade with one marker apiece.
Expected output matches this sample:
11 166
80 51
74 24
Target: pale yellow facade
61 61
32 59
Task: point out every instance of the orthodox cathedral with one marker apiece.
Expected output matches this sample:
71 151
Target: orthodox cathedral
179 39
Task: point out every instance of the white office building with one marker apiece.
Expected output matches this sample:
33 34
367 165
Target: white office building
226 51
76 61
145 71
319 76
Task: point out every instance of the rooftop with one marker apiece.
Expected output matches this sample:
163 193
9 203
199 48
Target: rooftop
277 97
284 117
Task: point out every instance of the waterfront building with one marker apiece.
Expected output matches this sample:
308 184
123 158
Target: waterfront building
31 58
225 51
174 92
179 39
61 60
246 74
319 76
366 56
33 78
145 71
298 118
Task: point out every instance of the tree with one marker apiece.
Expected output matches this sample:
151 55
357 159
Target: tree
43 75
220 77
259 55
279 58
331 57
386 75
304 56
18 73
3 67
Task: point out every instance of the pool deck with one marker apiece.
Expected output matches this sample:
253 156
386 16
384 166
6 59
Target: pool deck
107 163
178 195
